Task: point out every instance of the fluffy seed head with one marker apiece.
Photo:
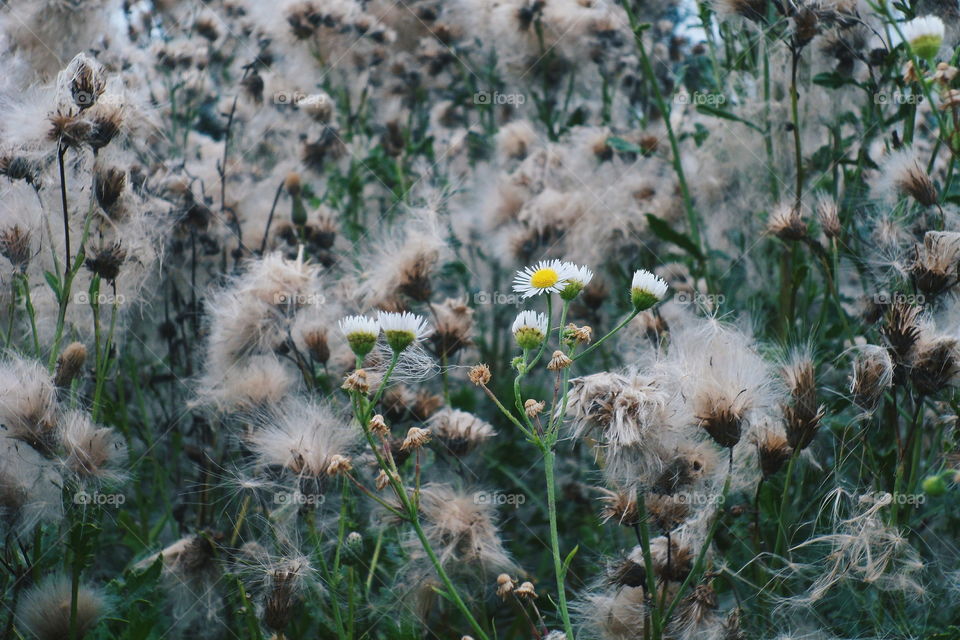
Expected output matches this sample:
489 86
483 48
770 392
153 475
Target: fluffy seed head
15 247
45 609
872 376
460 432
69 364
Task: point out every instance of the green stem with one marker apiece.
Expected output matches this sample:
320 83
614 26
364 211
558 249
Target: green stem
548 457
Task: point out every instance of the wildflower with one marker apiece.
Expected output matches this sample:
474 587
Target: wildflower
479 374
91 451
505 585
316 342
804 415
559 361
357 381
460 432
15 247
786 222
547 276
924 35
530 329
306 438
934 268
525 590
108 186
578 279
646 290
69 364
828 216
45 610
361 333
378 426
454 322
872 376
106 262
773 450
338 464
416 438
574 335
402 329
533 408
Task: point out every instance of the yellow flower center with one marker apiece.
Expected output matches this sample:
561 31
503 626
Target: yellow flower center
544 278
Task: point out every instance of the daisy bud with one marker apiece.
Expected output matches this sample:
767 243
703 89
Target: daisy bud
479 374
526 590
530 329
357 381
934 486
559 361
646 290
361 333
578 278
402 329
338 464
924 36
378 426
69 364
416 438
354 540
533 408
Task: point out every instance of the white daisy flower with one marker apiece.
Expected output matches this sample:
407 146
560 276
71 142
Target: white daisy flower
547 276
646 289
924 35
361 333
530 329
579 278
402 329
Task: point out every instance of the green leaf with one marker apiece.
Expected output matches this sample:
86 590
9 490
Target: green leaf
54 283
832 80
623 146
664 231
726 115
567 561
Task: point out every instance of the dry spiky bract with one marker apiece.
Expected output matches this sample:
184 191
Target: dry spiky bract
872 376
786 222
803 415
15 247
935 267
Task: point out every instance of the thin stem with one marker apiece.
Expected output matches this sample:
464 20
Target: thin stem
555 540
